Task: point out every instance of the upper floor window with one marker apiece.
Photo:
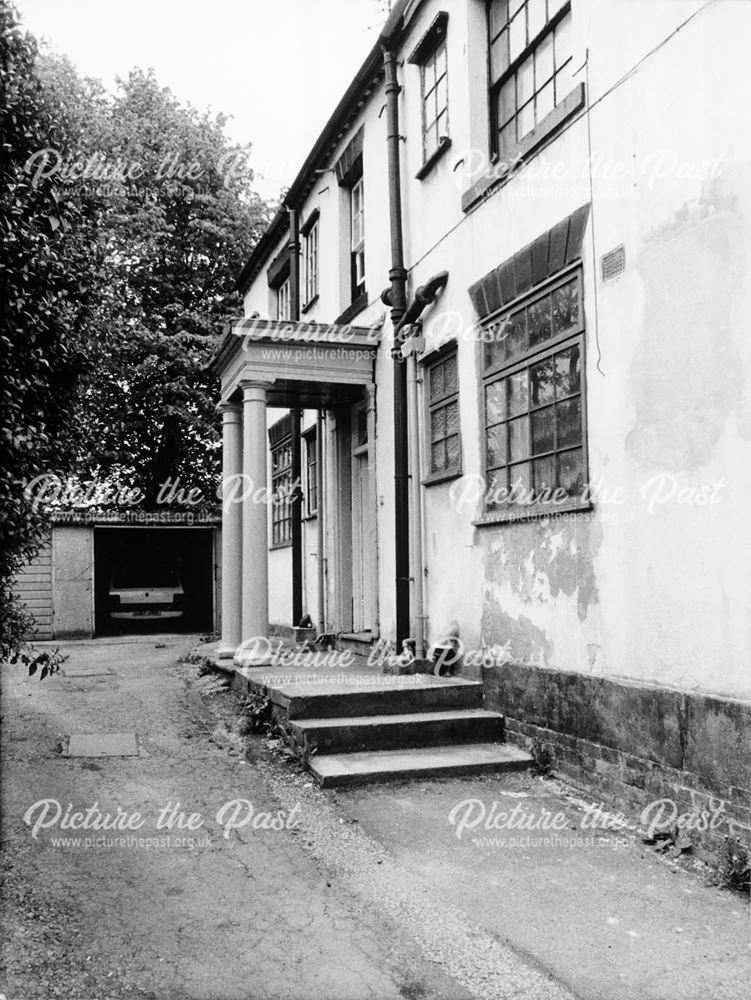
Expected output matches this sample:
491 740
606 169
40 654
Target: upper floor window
435 100
357 236
533 390
283 300
310 262
443 416
531 66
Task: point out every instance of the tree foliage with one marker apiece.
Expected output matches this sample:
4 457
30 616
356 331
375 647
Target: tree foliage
124 218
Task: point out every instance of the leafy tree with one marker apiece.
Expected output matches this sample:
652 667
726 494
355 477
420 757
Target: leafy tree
171 233
41 317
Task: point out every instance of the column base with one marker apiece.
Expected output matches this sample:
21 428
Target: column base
246 658
226 651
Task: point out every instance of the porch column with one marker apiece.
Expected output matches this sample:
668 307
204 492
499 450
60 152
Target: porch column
231 528
255 545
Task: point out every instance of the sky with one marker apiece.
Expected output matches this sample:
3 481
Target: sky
278 67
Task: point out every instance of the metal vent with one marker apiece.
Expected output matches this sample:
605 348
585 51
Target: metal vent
614 263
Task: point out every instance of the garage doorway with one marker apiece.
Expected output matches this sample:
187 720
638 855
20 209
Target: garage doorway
153 579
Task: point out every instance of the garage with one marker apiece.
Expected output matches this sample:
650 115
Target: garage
104 575
153 579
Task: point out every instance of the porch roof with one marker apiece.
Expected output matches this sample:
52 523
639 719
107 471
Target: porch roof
305 364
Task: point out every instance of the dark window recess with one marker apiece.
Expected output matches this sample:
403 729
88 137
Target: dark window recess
311 473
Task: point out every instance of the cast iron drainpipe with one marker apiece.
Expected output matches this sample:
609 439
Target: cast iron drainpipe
423 297
296 414
397 299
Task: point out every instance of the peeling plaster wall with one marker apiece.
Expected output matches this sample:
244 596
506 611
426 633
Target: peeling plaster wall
652 585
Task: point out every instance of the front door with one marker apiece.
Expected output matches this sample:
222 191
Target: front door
363 524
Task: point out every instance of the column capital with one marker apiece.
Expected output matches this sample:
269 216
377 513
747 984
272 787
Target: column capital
254 390
229 410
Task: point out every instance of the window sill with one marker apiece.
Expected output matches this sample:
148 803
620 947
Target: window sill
310 304
443 146
280 545
310 517
501 171
353 310
531 514
441 477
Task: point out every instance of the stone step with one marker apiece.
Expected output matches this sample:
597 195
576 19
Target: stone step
382 699
389 732
332 770
329 697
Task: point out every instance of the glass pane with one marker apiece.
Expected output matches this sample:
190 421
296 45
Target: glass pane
494 338
538 321
495 402
518 35
506 102
526 120
520 484
518 394
564 82
543 431
541 378
436 381
571 472
535 17
452 450
440 61
544 473
507 140
449 375
518 439
496 489
567 372
431 138
499 56
545 100
563 42
569 419
496 446
438 457
437 425
428 75
544 61
498 16
525 80
566 307
443 124
452 418
516 334
441 95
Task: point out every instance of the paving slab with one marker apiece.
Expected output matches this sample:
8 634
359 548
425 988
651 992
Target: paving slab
103 745
85 670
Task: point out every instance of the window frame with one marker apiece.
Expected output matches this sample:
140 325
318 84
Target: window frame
310 262
428 365
281 506
429 154
284 299
500 371
495 85
357 245
310 436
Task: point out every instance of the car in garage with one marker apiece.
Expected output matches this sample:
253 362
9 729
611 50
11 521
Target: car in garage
146 592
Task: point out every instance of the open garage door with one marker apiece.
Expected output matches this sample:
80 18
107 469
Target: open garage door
153 579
